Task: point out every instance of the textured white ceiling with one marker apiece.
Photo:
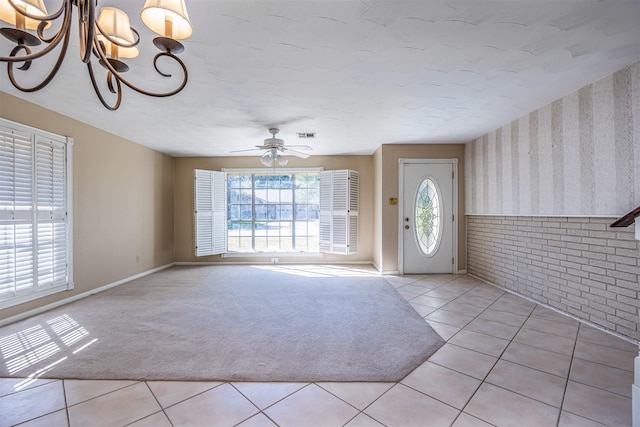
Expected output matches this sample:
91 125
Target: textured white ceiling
359 73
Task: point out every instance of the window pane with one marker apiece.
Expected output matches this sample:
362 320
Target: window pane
301 212
427 216
261 212
234 212
286 212
233 181
234 196
286 244
245 212
261 243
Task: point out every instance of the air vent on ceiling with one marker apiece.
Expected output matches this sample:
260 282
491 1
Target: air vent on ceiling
306 135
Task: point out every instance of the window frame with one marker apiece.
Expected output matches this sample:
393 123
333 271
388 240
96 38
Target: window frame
263 171
51 156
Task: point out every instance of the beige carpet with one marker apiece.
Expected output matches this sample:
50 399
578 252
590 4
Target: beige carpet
231 323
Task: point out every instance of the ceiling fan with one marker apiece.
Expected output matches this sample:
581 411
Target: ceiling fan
276 150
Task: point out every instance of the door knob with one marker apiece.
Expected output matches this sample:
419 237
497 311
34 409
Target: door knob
406 227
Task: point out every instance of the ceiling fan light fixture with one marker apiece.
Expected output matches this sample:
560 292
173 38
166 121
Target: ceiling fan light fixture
267 159
282 161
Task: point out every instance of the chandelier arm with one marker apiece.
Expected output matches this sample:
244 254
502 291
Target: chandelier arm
99 94
52 43
52 73
184 71
118 76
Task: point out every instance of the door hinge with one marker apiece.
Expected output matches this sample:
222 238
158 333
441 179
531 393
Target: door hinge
453 217
453 260
453 175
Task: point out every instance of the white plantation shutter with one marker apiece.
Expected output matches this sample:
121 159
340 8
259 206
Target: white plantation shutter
51 213
339 211
326 191
354 205
209 212
35 228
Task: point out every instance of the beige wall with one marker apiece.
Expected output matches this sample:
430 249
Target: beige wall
389 214
122 202
184 204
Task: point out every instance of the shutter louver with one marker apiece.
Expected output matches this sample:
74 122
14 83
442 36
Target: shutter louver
34 225
210 212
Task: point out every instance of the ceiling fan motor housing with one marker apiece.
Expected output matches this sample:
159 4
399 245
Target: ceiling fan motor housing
273 141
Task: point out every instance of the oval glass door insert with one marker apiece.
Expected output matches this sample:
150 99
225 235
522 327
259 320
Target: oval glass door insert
428 217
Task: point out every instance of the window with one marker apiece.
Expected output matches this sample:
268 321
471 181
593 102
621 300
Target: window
35 227
427 217
275 211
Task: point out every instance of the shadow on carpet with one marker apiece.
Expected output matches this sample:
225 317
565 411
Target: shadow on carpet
226 323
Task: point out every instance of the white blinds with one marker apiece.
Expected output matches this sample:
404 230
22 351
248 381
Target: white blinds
209 212
35 228
339 211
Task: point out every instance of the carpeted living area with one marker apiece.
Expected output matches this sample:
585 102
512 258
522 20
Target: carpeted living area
227 323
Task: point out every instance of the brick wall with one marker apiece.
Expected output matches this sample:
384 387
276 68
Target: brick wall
580 266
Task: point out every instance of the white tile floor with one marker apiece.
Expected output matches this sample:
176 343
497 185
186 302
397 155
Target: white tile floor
507 362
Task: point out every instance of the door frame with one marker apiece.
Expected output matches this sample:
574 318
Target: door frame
456 217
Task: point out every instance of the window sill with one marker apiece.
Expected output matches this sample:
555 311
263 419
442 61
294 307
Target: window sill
271 254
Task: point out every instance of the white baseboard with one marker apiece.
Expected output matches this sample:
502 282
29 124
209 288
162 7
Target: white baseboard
280 262
56 304
635 396
635 393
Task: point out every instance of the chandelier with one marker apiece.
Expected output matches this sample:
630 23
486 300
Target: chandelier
108 37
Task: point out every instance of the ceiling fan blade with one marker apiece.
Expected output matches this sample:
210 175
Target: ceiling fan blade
297 153
258 148
304 147
241 151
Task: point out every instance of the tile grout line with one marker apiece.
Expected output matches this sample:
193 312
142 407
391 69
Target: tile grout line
497 359
66 404
482 381
159 404
566 384
262 410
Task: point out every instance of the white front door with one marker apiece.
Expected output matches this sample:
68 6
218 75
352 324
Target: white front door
427 216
